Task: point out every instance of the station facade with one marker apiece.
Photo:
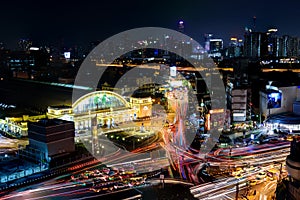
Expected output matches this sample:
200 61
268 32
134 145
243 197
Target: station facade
109 108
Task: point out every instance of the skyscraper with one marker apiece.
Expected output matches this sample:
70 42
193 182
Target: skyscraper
235 47
255 44
207 38
24 44
288 46
273 42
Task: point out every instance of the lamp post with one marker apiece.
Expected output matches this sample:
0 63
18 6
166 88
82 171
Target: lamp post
202 107
237 191
280 170
269 108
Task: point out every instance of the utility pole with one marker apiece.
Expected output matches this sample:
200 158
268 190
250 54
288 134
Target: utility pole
254 23
279 179
237 191
259 118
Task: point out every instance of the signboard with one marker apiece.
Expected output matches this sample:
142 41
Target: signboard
173 71
274 100
239 117
67 55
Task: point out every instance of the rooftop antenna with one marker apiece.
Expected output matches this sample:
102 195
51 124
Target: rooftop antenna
254 23
270 82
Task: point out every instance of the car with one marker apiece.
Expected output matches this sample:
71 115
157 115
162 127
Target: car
239 175
120 186
100 179
261 175
250 169
253 182
273 140
255 142
105 170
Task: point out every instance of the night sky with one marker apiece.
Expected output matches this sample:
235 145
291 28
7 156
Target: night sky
80 22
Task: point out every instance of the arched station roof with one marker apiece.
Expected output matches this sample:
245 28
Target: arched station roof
99 100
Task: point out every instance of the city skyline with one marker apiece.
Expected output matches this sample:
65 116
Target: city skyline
149 113
79 23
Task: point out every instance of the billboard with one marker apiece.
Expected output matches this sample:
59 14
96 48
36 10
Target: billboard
176 84
173 71
67 55
239 117
274 100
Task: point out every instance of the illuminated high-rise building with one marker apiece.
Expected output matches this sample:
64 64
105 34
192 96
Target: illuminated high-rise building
288 46
24 44
2 46
235 47
273 42
213 46
255 44
207 38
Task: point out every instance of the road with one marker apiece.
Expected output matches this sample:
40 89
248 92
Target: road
63 187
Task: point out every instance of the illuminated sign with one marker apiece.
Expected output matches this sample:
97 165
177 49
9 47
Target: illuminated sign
173 71
274 100
238 114
239 117
34 49
216 111
207 122
67 55
176 83
216 40
273 30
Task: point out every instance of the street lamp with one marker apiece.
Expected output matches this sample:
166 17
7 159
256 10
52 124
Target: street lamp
276 162
202 106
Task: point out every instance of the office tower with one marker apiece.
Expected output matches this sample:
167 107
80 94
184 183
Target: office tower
24 44
273 42
207 38
255 44
288 46
49 139
213 46
235 48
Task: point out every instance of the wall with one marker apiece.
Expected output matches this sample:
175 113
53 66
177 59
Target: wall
289 96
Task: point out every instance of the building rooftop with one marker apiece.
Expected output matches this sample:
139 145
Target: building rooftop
51 122
17 112
284 118
58 107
